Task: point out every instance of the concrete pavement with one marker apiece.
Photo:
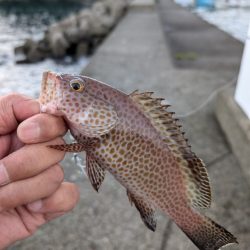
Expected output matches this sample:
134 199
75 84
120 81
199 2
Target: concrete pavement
138 55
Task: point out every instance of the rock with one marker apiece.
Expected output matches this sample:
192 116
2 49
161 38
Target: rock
97 27
99 8
72 35
84 14
100 20
28 44
83 19
34 54
58 44
75 35
43 46
108 21
95 42
84 29
116 8
68 22
82 49
69 27
29 52
20 55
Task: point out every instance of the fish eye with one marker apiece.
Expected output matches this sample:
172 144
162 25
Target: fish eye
77 86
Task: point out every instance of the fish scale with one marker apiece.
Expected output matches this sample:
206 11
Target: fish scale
142 145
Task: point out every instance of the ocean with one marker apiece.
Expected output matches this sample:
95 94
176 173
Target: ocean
29 19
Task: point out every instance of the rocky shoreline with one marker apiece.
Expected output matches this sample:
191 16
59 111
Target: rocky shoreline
75 35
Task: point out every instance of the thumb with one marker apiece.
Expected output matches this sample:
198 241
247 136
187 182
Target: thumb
15 108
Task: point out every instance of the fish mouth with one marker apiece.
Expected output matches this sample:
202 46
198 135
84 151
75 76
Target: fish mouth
50 95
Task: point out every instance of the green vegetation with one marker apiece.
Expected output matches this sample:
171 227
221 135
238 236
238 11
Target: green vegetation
187 56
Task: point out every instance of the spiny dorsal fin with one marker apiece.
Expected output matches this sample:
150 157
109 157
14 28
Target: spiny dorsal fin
146 210
193 169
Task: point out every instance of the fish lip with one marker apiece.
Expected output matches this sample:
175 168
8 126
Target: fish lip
59 94
43 91
49 103
51 109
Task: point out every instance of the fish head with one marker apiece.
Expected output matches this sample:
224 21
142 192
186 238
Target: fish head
80 101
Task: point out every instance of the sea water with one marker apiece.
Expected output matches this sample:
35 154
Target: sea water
19 21
234 21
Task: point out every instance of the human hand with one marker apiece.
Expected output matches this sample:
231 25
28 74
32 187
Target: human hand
32 190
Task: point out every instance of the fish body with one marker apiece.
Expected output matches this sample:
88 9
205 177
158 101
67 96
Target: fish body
138 141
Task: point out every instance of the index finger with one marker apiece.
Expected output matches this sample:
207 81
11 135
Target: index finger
15 108
28 161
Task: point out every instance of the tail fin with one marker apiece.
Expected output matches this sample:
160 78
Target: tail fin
203 232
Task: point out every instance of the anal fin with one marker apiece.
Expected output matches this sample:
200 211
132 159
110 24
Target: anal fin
95 173
146 210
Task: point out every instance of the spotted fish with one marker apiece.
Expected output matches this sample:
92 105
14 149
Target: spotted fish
137 140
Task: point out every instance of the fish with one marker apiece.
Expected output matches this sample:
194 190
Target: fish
140 142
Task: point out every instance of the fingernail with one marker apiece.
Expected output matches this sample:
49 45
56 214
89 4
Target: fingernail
35 206
30 131
4 177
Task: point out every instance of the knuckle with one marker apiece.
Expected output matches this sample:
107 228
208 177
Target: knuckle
74 193
59 140
17 165
58 126
73 197
7 120
33 227
51 126
57 174
8 198
62 126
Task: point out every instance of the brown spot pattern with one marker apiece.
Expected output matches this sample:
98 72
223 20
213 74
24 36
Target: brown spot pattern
132 143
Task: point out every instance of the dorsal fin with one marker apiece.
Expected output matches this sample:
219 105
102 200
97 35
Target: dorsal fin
193 168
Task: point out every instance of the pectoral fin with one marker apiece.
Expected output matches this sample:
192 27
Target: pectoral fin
146 210
73 147
95 173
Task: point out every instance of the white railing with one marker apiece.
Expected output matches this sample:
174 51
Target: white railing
232 3
242 93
